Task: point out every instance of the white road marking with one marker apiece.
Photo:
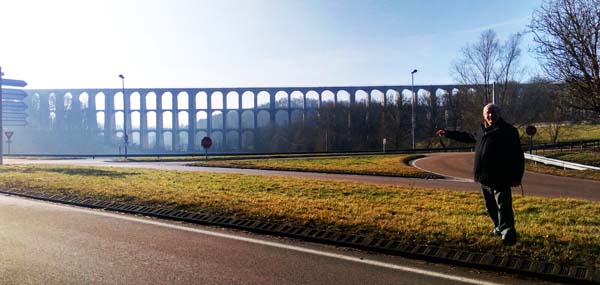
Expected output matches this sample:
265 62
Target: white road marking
284 246
413 163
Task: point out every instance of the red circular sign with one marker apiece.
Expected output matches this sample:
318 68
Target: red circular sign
206 142
531 130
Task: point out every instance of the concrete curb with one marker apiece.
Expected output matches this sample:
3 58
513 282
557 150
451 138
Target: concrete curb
541 269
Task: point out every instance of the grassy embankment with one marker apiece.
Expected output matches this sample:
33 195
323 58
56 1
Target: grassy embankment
566 133
541 168
564 231
586 157
384 165
390 165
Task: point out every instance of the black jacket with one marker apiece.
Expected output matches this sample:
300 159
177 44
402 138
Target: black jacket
499 158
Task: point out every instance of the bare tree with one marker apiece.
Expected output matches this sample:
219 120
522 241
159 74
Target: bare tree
488 60
567 33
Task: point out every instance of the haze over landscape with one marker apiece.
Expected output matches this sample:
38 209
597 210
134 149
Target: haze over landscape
186 43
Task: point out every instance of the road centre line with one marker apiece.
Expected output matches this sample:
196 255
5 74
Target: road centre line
284 246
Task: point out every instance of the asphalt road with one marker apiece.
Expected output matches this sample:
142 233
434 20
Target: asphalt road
45 243
460 166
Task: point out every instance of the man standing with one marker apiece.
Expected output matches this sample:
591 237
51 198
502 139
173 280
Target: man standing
499 165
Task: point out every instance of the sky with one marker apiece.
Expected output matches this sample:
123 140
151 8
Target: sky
247 43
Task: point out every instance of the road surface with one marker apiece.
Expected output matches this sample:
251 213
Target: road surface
460 166
45 243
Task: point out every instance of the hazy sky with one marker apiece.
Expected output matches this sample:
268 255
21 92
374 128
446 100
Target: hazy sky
245 43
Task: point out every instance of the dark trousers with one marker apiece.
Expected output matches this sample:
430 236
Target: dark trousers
498 202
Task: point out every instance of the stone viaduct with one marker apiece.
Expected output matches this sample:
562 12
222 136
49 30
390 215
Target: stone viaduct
176 119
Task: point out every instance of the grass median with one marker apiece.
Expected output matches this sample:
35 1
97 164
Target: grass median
383 165
564 231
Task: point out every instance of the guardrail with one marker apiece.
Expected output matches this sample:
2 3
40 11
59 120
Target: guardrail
559 163
570 145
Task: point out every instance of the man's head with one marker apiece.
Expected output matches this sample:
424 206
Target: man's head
491 114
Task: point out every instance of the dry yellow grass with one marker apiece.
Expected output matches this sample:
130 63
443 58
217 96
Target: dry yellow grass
384 165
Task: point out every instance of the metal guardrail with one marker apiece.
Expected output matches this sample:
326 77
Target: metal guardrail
559 163
569 145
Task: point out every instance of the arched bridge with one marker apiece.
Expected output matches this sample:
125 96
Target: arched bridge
176 119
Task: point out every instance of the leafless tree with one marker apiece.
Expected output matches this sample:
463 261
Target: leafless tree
567 34
489 60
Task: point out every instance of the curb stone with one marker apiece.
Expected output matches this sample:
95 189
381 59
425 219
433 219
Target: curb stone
537 268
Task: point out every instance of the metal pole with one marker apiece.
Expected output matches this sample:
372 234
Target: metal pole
1 123
125 137
412 75
493 93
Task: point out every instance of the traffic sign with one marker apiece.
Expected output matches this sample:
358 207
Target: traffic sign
14 123
8 135
13 82
531 130
206 142
11 115
13 106
13 94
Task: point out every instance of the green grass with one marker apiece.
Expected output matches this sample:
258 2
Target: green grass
566 133
384 165
552 170
201 157
564 231
584 157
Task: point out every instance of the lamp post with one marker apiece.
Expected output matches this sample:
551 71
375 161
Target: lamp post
1 123
412 75
125 137
493 92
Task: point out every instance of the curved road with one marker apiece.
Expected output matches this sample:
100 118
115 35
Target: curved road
460 165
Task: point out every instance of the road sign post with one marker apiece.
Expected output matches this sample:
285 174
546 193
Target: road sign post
8 141
1 123
206 144
11 107
530 130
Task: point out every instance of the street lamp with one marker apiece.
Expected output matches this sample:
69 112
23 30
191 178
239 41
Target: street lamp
125 137
412 75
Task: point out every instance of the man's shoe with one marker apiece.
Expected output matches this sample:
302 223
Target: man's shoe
509 240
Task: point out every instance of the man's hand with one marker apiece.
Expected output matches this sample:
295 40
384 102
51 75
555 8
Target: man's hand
440 132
